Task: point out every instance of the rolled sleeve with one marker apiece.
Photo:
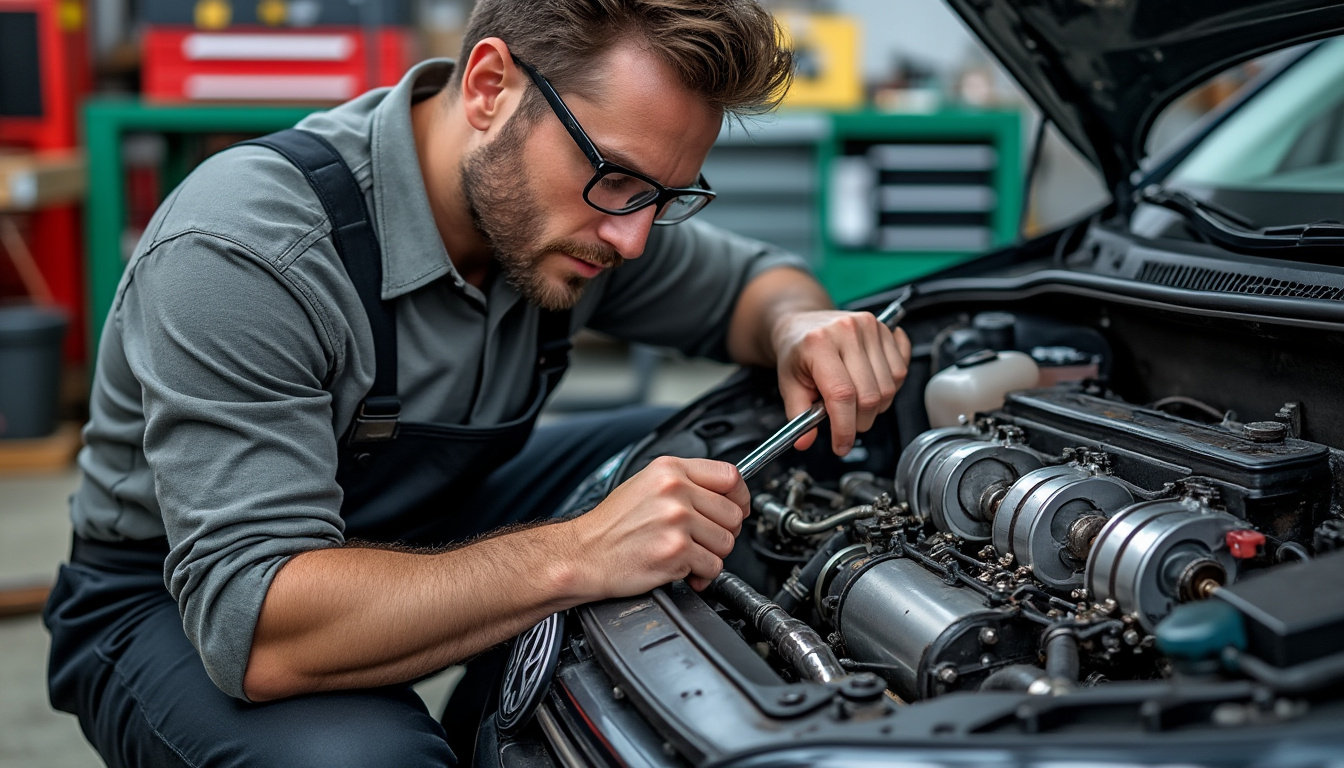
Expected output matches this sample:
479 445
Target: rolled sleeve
231 356
682 292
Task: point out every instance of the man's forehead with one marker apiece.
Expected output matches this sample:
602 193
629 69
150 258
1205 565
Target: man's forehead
642 125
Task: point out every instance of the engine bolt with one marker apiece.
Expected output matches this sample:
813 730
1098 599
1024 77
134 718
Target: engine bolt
791 698
1131 637
947 675
989 636
865 681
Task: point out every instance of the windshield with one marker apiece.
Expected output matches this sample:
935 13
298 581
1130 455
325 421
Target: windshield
1278 160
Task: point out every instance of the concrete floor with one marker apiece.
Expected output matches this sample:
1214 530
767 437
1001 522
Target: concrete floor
34 539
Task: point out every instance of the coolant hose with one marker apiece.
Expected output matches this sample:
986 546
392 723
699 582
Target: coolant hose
799 644
800 585
1061 656
1015 677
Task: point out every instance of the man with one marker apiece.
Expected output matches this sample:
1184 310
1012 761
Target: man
263 349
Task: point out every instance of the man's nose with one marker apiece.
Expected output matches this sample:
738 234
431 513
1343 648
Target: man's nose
628 234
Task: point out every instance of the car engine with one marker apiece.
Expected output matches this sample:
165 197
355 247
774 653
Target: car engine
1065 524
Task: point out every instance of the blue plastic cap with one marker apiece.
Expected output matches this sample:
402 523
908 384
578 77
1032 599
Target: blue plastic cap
1200 630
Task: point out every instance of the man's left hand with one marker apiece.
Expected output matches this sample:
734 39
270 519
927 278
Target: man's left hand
847 359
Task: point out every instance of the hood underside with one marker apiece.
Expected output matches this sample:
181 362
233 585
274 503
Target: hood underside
1102 70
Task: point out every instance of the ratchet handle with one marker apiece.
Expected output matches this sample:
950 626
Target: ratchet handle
782 440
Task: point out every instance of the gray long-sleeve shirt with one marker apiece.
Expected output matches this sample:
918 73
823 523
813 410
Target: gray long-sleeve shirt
237 351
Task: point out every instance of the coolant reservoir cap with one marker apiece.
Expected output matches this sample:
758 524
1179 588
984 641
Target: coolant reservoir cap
1201 630
978 358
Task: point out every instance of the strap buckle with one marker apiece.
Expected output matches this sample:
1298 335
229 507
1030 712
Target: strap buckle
553 356
376 420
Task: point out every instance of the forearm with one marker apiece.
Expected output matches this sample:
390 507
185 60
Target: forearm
355 618
768 298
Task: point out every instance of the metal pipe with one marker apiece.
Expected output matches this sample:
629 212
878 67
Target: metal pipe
799 644
798 527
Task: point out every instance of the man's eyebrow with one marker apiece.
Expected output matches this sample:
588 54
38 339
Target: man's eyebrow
625 161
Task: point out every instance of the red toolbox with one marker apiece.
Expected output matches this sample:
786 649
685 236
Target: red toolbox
317 64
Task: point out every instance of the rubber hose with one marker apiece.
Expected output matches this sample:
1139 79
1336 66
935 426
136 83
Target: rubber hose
810 572
1016 677
1061 657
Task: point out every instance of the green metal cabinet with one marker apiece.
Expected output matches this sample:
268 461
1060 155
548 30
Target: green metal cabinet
106 122
903 195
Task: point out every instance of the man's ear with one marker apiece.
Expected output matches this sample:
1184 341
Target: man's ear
491 84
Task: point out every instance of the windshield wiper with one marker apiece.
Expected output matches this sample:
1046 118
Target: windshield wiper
1235 232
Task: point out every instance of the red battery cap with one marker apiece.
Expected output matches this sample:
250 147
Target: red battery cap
1244 543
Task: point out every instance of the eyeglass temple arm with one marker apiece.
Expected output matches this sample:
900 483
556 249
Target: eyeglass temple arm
567 118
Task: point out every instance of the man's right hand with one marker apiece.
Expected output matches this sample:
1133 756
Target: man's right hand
676 518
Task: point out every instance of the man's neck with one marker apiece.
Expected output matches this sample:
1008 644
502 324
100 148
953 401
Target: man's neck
441 148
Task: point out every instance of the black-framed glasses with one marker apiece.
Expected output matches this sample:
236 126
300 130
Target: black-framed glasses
614 188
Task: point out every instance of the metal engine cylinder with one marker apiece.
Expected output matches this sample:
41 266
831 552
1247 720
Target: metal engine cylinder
1048 520
924 636
955 477
1153 555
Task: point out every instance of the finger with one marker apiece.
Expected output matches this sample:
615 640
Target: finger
703 564
697 583
841 391
720 511
719 477
867 367
711 537
903 348
894 359
798 399
880 355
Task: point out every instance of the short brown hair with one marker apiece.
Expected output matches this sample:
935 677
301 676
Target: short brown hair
726 51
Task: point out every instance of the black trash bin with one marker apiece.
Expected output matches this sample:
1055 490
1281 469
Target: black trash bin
30 370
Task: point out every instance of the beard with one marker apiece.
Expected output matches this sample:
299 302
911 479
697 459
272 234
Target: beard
505 211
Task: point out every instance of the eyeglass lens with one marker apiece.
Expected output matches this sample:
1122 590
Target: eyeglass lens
617 192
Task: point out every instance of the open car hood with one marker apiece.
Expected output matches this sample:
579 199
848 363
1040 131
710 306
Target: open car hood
1102 70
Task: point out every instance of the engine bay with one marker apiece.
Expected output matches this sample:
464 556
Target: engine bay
1106 550
1039 545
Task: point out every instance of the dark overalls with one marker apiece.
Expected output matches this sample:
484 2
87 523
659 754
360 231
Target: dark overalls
120 659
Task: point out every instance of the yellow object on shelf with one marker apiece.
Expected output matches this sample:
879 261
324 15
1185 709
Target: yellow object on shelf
29 181
826 54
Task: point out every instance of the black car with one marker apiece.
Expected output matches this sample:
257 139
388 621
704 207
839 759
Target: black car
1132 554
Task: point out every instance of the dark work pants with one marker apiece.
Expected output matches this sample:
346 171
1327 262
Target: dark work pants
121 662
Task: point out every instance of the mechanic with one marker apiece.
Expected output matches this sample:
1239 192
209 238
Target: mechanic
316 387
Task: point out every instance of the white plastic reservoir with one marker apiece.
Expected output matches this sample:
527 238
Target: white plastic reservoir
977 383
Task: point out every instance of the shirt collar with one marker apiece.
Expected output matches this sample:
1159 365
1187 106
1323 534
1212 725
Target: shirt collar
413 251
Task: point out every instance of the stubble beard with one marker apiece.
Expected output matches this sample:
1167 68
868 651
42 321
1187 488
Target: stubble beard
504 210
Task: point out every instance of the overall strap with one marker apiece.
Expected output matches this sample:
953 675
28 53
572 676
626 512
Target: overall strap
355 241
553 345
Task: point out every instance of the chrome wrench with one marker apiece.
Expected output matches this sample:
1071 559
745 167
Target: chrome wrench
805 422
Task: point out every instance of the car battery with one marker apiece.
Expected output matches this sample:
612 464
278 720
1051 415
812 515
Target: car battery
270 51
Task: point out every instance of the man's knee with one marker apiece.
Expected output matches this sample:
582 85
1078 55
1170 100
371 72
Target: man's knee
349 733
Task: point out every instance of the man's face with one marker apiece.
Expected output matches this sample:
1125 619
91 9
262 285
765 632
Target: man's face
525 188
506 210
